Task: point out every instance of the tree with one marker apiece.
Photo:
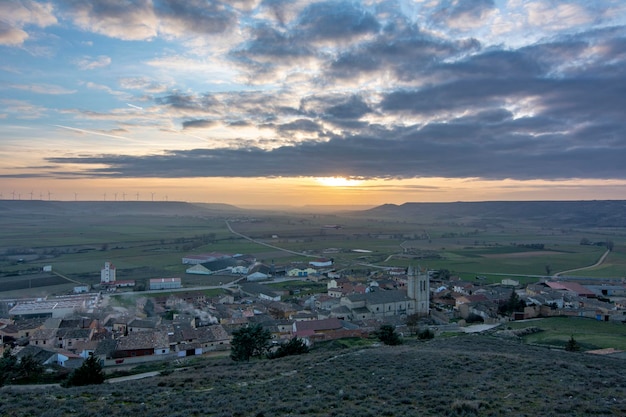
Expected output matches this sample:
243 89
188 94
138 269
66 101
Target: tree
388 335
513 304
8 366
572 345
295 346
89 373
28 369
412 322
249 342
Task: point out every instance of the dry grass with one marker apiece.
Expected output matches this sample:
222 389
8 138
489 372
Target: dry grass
463 376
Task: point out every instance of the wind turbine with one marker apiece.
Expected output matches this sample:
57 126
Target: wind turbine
105 196
152 196
137 196
49 194
115 196
40 195
123 196
31 196
13 195
75 196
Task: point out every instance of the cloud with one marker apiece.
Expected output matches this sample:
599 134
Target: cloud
43 89
133 20
91 63
200 123
465 14
18 14
148 19
11 36
336 21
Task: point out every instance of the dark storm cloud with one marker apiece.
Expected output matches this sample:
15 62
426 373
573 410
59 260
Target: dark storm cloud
461 150
198 123
300 125
335 21
466 11
402 49
199 16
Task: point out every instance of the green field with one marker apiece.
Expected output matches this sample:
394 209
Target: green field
151 246
588 333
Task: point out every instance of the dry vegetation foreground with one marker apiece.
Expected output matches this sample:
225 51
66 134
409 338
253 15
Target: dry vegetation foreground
465 376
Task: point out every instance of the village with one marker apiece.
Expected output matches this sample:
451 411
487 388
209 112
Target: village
122 327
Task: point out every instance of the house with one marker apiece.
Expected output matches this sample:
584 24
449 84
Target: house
462 287
216 266
321 263
44 338
257 276
573 287
165 283
143 325
301 272
142 344
40 355
66 338
9 333
260 291
312 327
202 258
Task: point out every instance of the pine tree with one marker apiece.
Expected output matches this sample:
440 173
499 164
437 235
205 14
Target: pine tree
248 342
572 345
90 372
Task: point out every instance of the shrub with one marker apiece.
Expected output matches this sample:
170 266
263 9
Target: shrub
425 334
295 346
388 335
90 372
572 345
248 342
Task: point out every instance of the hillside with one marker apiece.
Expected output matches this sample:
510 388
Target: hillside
112 208
607 213
465 376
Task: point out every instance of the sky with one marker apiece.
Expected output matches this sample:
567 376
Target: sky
292 103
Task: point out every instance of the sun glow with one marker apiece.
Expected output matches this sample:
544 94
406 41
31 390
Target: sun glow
338 181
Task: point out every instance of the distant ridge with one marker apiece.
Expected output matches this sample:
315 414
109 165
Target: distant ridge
594 213
114 208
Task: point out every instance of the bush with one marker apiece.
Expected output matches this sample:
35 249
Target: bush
425 334
295 346
90 372
248 342
572 345
388 335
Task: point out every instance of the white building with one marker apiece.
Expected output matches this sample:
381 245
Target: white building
107 274
165 283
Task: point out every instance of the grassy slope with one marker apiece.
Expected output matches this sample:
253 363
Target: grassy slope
589 333
465 375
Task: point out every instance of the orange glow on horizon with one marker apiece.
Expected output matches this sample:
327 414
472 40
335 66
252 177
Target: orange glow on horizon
338 181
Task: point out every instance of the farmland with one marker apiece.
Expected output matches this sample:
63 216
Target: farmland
146 240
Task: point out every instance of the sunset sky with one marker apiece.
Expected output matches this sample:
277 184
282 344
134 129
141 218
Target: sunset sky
283 102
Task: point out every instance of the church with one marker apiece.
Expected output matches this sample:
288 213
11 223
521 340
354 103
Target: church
384 303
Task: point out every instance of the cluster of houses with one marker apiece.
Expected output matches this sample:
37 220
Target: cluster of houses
246 265
190 323
600 300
